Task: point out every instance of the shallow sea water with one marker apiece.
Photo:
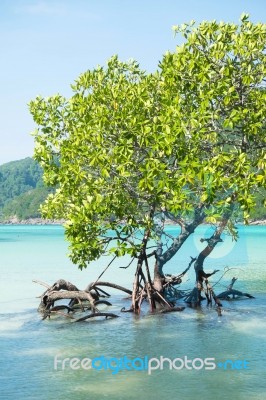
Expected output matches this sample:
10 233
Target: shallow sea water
29 345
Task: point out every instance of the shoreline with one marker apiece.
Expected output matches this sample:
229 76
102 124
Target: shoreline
33 221
42 221
260 222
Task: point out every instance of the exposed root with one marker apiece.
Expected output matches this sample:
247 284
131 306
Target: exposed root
172 309
124 310
219 311
108 284
98 314
92 296
80 300
107 303
62 307
234 293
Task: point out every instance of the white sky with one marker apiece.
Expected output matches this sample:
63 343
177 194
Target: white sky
46 44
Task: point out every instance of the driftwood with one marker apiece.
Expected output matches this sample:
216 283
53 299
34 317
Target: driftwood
107 303
232 292
63 290
172 309
68 294
108 284
62 307
124 310
98 314
60 290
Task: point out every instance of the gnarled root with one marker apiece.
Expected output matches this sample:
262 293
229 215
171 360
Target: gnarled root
62 289
234 293
97 314
172 309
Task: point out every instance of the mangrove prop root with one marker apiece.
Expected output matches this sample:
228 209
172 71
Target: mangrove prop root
124 310
92 296
100 292
62 307
79 295
232 292
219 311
61 284
62 289
98 314
216 299
107 303
171 309
108 284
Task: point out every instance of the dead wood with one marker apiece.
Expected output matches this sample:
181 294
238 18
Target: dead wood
124 310
233 292
107 303
108 284
62 307
98 314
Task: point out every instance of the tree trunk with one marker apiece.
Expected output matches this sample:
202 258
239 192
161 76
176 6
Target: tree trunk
140 280
163 257
195 297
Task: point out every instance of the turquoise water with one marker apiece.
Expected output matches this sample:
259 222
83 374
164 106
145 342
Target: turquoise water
29 345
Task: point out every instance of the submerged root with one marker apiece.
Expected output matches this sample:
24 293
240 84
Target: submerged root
97 314
160 302
233 292
80 300
172 309
235 295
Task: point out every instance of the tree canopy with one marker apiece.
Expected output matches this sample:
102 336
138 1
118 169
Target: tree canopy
131 148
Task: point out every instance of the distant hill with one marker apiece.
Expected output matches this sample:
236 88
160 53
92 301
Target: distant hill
259 213
21 189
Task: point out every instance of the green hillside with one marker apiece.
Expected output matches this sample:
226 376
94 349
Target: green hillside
259 213
21 189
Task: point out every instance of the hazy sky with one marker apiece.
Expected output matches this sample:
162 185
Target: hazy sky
46 44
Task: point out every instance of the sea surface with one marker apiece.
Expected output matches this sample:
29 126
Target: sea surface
175 346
